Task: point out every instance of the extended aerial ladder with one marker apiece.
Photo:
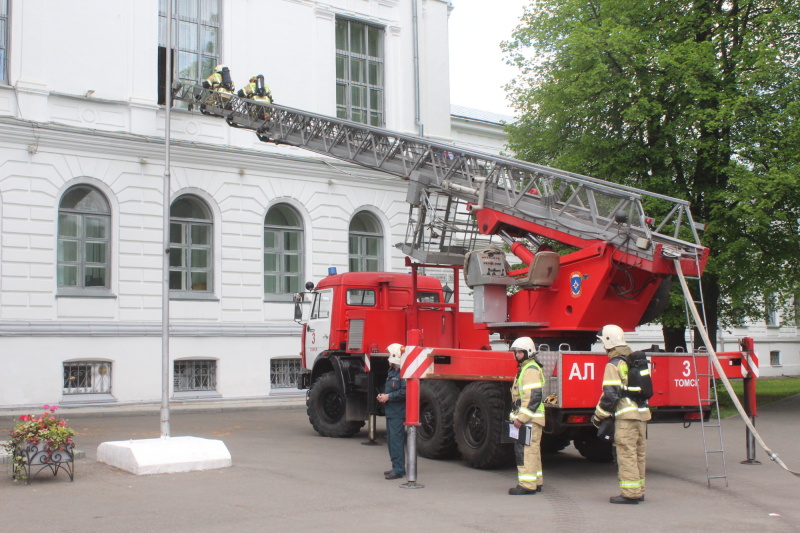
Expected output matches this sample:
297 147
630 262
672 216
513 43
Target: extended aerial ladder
564 206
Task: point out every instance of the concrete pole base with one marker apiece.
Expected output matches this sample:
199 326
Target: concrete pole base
164 456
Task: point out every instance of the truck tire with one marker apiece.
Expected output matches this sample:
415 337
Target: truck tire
437 406
593 448
326 408
480 418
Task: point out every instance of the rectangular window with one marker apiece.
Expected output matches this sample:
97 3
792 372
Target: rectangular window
195 375
4 40
87 377
771 312
361 297
195 41
775 358
359 72
283 373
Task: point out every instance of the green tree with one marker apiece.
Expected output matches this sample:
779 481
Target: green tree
693 99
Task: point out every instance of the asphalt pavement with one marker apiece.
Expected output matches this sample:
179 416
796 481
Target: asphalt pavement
287 478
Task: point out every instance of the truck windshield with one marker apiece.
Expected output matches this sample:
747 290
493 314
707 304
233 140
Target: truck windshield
428 297
361 297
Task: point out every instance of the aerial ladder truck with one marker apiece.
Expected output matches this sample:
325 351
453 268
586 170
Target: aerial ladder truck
468 211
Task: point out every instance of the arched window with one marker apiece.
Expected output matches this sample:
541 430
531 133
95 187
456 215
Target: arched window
190 256
84 229
283 250
366 243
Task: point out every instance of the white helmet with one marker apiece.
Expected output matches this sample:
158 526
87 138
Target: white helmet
524 344
395 352
612 336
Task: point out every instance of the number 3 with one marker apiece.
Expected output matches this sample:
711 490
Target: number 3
687 368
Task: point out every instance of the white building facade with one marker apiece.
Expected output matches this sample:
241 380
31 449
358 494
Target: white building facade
81 186
82 127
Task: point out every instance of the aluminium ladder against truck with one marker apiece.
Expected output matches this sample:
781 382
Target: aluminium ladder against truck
463 204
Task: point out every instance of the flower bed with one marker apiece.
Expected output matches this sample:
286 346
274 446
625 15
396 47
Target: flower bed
41 442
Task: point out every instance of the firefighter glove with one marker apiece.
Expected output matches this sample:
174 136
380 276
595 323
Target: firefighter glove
595 421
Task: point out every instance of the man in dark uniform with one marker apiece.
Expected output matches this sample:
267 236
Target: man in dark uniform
394 400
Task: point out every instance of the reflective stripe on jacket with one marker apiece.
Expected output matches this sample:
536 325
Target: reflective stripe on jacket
526 392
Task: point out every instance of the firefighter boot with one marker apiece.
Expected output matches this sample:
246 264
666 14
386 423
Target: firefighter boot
623 499
519 490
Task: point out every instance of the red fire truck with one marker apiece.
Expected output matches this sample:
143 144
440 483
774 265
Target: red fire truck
469 211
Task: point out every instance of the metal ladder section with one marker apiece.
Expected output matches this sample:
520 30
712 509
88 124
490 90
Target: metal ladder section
713 446
576 206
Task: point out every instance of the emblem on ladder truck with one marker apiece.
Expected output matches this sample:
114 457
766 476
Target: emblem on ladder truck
576 284
415 362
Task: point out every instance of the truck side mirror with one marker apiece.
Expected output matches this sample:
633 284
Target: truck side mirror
299 298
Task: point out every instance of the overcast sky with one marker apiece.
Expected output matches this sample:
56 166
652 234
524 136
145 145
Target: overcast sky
477 70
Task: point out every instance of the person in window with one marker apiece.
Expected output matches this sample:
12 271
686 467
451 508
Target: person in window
257 90
394 399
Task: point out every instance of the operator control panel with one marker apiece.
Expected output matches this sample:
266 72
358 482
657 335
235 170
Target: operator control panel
487 267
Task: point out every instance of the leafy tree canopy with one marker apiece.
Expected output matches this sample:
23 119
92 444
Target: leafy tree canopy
694 99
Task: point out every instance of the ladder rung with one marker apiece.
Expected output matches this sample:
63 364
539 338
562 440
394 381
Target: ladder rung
714 451
717 477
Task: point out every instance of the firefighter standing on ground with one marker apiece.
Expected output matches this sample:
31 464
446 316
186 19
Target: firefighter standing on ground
630 417
526 395
394 398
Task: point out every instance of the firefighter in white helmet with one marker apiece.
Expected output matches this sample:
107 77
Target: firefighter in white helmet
394 400
630 417
526 395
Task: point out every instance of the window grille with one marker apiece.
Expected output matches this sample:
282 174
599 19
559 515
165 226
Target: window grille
775 358
359 72
87 377
284 372
195 375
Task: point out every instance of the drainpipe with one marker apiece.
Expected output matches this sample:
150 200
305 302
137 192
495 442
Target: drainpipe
417 106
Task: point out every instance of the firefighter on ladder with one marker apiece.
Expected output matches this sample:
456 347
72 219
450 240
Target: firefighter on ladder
630 417
257 90
526 393
221 83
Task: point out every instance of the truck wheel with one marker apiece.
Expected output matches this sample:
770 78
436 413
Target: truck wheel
479 423
593 448
437 405
326 408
